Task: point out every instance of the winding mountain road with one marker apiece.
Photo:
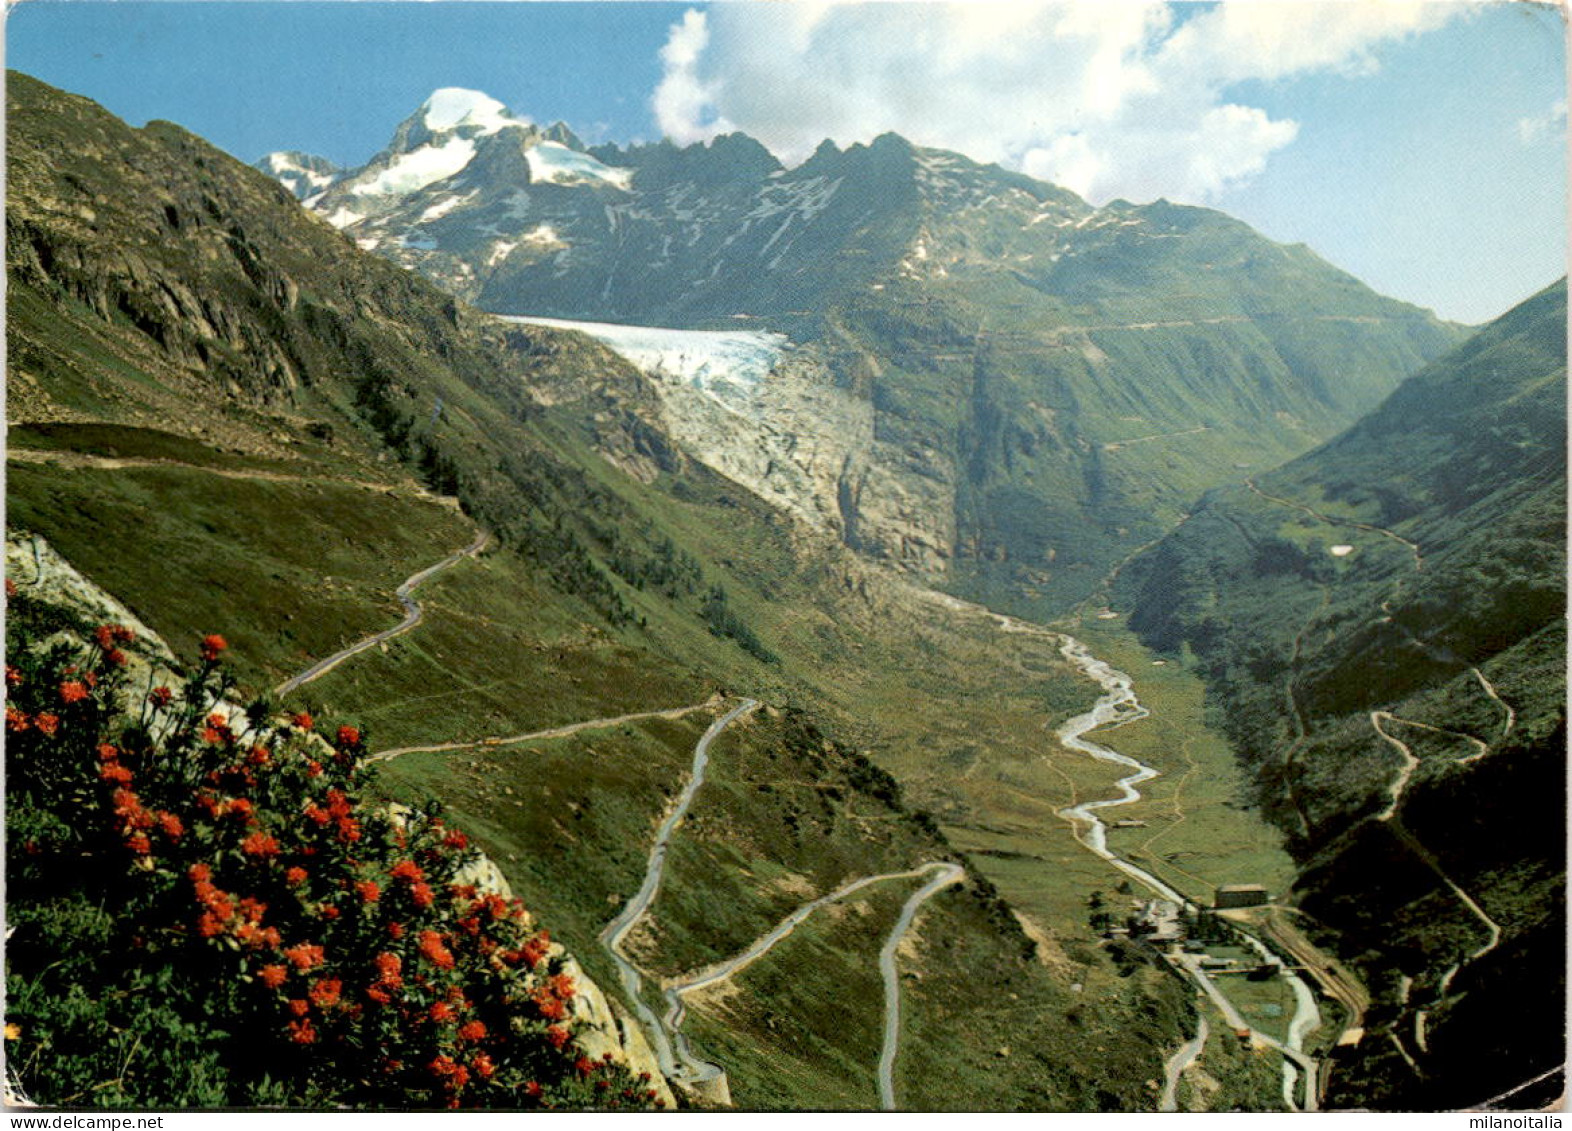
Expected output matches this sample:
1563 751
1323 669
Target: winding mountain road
550 732
1412 547
1388 815
1410 764
616 932
676 1011
948 874
1511 716
87 460
1487 1105
1176 1064
413 615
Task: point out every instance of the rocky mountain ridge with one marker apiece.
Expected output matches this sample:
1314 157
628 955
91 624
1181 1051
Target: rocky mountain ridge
996 386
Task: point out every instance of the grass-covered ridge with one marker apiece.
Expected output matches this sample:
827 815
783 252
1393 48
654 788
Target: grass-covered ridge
1380 627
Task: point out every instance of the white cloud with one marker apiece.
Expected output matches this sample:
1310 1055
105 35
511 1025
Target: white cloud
1110 98
683 102
1553 121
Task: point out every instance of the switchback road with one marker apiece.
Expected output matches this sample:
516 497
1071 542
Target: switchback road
413 615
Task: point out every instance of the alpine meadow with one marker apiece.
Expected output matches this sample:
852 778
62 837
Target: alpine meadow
847 575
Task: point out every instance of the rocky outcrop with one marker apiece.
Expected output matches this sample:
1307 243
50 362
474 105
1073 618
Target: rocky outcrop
808 444
33 566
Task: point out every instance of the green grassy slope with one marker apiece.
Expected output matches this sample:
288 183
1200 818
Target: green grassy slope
1412 566
1087 382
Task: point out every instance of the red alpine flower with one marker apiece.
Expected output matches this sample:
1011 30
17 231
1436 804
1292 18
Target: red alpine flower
388 967
326 992
272 976
432 946
302 1033
259 844
305 956
212 645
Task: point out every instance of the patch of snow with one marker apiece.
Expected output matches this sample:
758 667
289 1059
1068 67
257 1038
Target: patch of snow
413 171
343 218
544 235
1341 551
806 198
282 166
500 251
368 243
453 107
779 232
313 200
551 162
726 364
518 205
444 206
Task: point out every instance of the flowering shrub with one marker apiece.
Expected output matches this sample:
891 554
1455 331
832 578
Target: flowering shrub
207 912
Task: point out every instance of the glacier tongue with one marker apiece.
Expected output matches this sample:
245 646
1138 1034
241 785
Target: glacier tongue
726 364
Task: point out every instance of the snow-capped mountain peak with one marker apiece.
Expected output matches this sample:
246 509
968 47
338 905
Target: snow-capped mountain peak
301 173
455 108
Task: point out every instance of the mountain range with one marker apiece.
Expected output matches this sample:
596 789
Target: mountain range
682 429
1037 386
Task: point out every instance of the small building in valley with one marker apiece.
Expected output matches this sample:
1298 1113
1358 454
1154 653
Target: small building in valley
1240 895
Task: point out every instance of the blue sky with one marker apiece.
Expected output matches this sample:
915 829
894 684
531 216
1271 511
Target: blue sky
1419 145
